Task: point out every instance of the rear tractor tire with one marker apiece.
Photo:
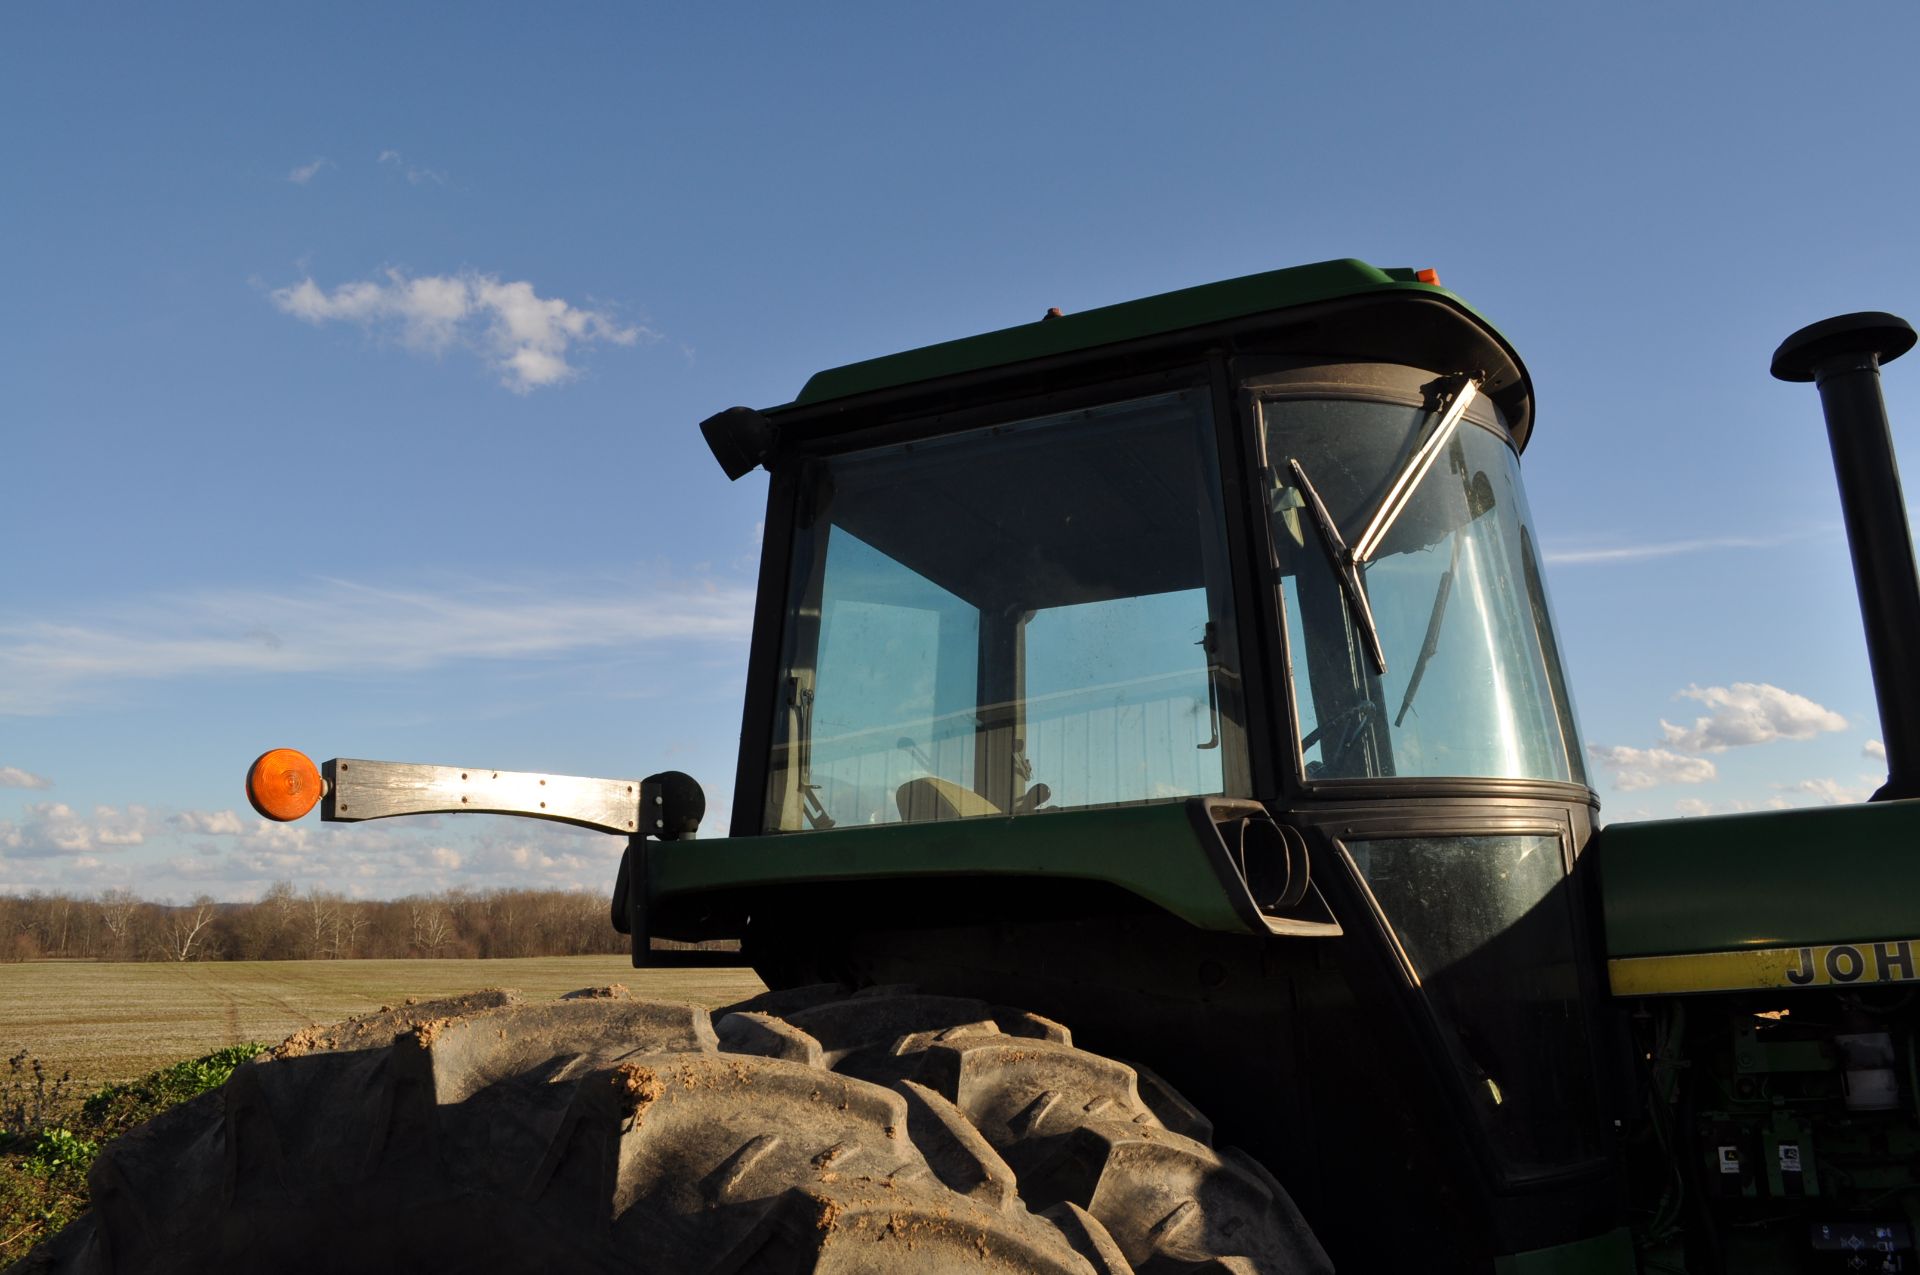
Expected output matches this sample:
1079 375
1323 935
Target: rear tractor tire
800 1131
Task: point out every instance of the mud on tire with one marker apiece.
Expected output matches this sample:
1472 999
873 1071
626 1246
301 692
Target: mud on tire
801 1131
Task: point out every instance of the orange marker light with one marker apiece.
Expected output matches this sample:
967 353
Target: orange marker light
1429 275
283 784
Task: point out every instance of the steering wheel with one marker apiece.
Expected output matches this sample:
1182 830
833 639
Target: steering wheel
1349 726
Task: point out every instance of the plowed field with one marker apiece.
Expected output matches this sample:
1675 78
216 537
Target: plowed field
112 1022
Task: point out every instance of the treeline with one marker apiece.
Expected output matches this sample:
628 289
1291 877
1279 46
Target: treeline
316 924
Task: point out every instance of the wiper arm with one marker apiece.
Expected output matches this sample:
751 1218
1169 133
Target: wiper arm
1345 566
1347 562
1453 407
1431 642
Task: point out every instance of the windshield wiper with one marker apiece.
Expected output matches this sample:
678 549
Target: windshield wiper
1452 407
1345 565
1431 642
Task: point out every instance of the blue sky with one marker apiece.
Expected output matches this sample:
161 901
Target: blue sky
353 357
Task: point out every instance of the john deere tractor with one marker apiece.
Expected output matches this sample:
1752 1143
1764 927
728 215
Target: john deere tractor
1162 824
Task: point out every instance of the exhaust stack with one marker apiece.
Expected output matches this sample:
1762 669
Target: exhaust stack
1843 356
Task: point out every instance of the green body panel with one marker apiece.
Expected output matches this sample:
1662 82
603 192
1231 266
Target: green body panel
1609 1254
1151 851
1127 321
1782 878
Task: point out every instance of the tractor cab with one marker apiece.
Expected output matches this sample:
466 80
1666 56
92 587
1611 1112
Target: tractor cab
1040 614
1270 556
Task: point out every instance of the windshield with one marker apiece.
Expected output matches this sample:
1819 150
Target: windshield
1016 619
1465 679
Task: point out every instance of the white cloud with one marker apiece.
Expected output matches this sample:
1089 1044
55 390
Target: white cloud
14 777
1674 548
340 625
1873 750
54 828
523 336
306 172
1634 768
1826 792
209 823
1749 713
414 173
1693 807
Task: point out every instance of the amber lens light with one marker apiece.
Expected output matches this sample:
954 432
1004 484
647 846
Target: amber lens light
283 784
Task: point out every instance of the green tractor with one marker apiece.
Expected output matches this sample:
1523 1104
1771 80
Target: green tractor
1162 824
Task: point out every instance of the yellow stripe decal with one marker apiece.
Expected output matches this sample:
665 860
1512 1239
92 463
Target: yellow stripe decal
1836 965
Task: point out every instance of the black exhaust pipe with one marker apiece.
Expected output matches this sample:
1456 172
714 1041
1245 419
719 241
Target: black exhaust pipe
1843 356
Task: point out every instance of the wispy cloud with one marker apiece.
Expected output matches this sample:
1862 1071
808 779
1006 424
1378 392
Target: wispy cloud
307 172
1634 768
14 777
1748 713
415 173
1597 554
523 336
1874 750
342 625
57 849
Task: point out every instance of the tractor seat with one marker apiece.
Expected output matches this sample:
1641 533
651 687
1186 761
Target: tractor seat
931 799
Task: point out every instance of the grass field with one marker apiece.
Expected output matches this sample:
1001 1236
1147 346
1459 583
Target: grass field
112 1022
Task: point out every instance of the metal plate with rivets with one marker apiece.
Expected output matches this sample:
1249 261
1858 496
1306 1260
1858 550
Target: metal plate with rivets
358 789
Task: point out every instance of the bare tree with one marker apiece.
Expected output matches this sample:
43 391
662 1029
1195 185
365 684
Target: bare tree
186 930
351 919
430 929
118 908
322 917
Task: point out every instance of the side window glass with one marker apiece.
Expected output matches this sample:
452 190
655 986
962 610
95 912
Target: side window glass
1118 700
896 684
1027 617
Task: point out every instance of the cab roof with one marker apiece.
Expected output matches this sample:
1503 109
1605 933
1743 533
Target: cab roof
1207 304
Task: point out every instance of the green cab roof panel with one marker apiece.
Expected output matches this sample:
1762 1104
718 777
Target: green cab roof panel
1129 320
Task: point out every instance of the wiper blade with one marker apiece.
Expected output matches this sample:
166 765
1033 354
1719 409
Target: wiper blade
1345 566
1431 642
1453 406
